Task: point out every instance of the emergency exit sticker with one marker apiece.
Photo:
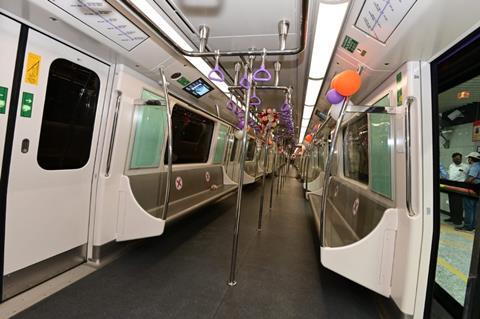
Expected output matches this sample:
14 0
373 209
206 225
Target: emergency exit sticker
27 104
32 72
3 99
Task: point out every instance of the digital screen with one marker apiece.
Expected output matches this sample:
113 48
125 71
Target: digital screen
198 88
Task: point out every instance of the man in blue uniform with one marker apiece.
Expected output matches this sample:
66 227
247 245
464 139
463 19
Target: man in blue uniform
469 203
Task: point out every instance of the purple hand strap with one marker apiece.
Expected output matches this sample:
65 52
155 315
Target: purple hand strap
216 74
255 100
262 74
244 82
231 105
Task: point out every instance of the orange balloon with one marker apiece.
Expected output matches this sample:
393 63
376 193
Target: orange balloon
334 79
347 83
308 138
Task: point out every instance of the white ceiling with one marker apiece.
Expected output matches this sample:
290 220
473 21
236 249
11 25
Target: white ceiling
427 30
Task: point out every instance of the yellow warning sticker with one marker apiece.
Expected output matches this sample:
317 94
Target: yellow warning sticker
33 68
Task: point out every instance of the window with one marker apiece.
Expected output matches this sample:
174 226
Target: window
251 150
381 151
192 135
221 142
234 149
355 149
150 124
68 116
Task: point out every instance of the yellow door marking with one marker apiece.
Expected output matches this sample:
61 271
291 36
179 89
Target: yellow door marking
32 72
454 270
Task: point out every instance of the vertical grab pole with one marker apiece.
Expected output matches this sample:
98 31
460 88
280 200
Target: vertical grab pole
170 146
273 178
233 267
262 195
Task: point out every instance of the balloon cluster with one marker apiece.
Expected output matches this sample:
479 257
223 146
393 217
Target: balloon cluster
268 118
344 84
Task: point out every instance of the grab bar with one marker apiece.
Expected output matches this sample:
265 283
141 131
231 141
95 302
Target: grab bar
112 135
408 163
170 146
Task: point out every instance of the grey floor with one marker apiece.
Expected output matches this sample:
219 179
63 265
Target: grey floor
183 273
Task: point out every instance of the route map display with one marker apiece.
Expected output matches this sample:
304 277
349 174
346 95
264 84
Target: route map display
103 18
379 18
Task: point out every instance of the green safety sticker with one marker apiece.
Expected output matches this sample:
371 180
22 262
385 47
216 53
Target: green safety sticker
27 104
349 44
183 81
3 99
399 97
399 77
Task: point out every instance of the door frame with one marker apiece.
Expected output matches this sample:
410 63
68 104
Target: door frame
433 289
96 150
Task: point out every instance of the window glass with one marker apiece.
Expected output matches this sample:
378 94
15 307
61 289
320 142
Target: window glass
150 124
355 149
192 136
221 142
251 150
68 116
381 151
234 149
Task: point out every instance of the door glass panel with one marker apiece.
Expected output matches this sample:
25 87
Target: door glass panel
221 142
458 100
381 150
68 116
150 124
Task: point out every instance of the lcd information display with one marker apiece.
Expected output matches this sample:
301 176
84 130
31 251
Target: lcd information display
198 88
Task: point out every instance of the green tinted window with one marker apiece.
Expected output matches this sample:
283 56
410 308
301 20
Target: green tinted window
150 124
220 148
381 151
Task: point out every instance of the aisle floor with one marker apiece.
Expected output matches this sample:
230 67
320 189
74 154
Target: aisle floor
183 273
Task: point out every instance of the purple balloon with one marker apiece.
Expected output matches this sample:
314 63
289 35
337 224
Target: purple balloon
333 97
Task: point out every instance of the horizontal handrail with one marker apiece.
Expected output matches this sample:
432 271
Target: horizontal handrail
250 52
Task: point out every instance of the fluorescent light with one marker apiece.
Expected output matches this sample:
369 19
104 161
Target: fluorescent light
305 122
155 17
307 112
313 88
302 134
329 23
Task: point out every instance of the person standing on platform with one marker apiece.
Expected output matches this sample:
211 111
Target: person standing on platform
470 203
457 171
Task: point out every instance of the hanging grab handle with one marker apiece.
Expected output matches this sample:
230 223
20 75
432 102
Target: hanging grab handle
254 99
244 82
216 74
231 105
262 74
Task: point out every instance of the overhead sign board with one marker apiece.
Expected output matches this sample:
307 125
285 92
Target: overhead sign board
105 19
379 18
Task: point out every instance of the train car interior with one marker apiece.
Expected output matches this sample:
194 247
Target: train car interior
240 159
